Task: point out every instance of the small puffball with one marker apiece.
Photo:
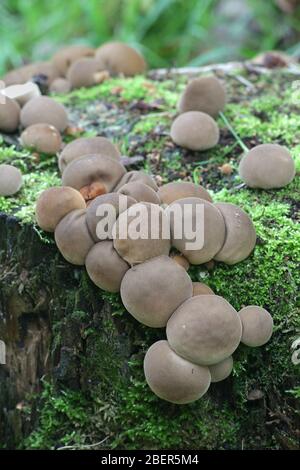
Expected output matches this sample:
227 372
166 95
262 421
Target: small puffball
22 93
9 115
240 238
152 290
10 180
195 131
267 166
172 378
105 267
60 85
257 326
140 192
205 94
72 237
44 110
65 56
171 192
54 204
222 370
42 138
142 232
137 177
119 58
201 289
84 72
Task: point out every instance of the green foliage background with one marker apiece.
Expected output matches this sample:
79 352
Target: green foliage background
168 32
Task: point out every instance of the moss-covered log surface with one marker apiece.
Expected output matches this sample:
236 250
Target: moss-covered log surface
74 356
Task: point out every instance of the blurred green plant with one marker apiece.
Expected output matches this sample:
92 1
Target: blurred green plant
168 32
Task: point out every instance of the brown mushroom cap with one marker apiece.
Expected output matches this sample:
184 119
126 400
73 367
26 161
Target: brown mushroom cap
205 330
73 238
60 85
84 72
9 115
240 235
205 94
201 289
221 370
181 260
151 291
10 179
44 110
213 228
118 203
195 131
267 166
172 378
69 54
25 73
137 248
42 138
87 146
257 325
140 192
119 58
54 204
105 267
171 192
137 177
93 168
22 93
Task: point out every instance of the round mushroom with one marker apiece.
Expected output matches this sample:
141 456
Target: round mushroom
9 115
63 58
10 179
140 192
142 232
60 85
27 72
44 110
171 192
201 289
267 166
119 58
22 93
54 204
195 131
105 267
240 238
257 325
103 212
42 138
172 378
87 146
85 72
137 177
151 291
72 237
205 330
222 370
197 229
205 94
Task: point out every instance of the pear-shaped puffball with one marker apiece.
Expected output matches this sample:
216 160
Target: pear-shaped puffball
119 58
195 131
44 110
205 94
9 115
42 138
222 370
85 72
10 180
257 325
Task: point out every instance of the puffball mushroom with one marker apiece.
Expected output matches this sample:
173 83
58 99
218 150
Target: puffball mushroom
44 110
172 378
84 72
105 267
42 138
205 94
87 146
206 224
65 56
88 170
267 166
140 192
222 370
195 131
240 238
142 232
205 330
25 73
60 85
119 58
72 237
137 177
10 179
9 115
103 212
201 289
54 204
257 325
22 93
171 192
151 291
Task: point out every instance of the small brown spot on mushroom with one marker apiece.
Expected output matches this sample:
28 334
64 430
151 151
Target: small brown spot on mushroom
92 190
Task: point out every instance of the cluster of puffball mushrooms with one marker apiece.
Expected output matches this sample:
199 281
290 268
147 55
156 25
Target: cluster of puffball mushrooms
202 329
